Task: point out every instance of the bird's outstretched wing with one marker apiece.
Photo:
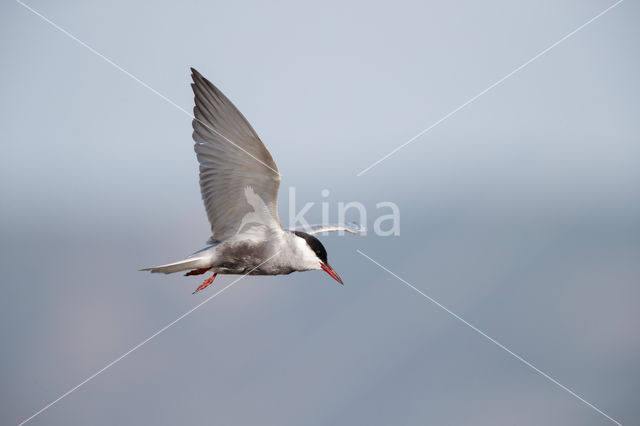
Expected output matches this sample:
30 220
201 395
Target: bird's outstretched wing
232 158
352 228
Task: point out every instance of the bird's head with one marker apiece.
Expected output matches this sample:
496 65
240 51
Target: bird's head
320 254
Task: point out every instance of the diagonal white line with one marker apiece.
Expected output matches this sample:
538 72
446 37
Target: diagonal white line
142 83
471 100
500 345
163 329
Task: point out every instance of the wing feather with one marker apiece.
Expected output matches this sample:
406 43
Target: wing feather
352 228
232 158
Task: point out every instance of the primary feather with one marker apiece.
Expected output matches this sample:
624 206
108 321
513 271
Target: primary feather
227 148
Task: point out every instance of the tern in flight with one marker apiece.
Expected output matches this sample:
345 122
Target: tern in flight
239 183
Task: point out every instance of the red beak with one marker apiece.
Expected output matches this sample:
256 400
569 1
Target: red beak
329 270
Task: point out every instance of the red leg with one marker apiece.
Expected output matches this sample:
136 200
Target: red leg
206 283
197 272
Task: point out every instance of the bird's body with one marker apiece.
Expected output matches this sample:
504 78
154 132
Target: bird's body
259 251
239 182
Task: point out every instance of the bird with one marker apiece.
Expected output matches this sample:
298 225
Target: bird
239 182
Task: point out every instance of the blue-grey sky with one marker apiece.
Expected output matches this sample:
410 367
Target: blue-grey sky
520 213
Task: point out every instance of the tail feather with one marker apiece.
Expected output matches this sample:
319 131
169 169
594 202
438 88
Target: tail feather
183 265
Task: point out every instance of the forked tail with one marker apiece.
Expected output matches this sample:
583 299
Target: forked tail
183 265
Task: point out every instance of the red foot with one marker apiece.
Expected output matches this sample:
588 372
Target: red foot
197 272
206 283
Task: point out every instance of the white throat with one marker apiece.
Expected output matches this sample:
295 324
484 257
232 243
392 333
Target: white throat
302 258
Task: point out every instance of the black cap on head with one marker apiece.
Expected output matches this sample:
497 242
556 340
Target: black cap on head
314 244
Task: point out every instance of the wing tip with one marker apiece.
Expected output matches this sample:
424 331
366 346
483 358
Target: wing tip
198 79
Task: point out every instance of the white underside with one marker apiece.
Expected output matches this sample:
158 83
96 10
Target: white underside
259 250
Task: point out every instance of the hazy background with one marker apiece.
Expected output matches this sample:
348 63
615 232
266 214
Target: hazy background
521 213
